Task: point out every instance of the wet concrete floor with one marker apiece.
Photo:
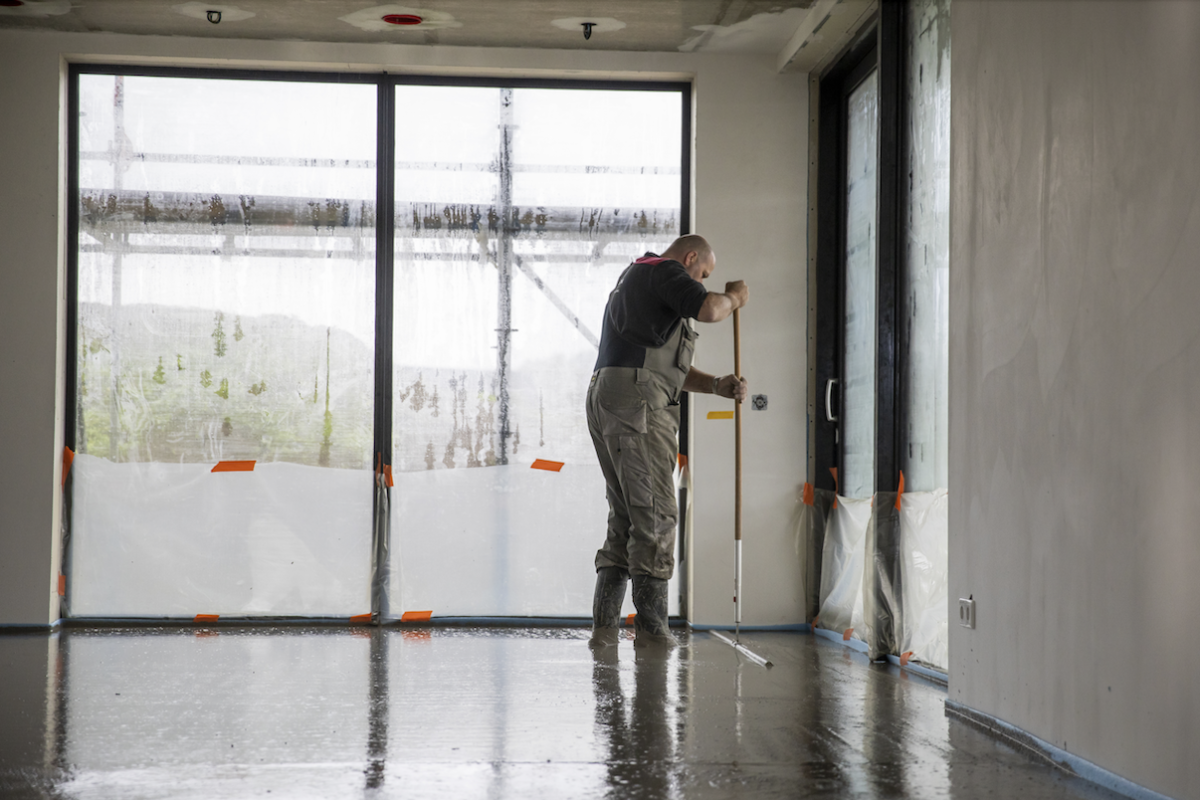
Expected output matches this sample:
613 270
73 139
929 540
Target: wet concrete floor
480 713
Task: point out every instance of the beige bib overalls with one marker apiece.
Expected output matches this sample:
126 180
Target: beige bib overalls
633 416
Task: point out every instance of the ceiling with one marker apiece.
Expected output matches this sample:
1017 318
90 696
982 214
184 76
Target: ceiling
744 26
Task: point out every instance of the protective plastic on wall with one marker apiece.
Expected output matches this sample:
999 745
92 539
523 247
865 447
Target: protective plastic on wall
842 563
924 537
859 545
176 540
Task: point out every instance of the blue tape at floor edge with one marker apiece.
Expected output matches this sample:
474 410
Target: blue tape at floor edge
1068 762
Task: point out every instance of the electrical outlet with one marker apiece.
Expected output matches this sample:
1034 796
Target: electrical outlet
966 611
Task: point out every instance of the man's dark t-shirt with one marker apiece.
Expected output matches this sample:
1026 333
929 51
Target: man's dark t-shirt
651 297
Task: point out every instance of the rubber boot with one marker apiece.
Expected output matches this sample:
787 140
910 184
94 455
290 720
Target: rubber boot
651 624
606 606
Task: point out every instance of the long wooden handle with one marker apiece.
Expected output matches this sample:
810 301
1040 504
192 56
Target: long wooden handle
737 429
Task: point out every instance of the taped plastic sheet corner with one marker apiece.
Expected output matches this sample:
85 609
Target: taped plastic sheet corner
162 540
813 508
842 560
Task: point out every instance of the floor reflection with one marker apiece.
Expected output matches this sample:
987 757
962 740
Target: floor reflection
478 713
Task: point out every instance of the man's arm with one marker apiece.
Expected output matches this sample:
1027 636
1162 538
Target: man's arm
719 305
727 386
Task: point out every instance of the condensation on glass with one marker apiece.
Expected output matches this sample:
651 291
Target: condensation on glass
857 477
926 286
516 210
226 312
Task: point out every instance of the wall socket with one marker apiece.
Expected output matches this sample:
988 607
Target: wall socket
966 611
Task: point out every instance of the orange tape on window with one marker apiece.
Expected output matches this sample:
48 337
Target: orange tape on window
904 658
62 585
387 475
549 466
630 618
846 634
360 619
68 459
720 415
207 617
900 491
808 494
234 466
833 471
681 460
415 616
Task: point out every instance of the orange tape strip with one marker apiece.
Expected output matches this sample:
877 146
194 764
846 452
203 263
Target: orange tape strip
720 415
833 470
360 619
629 619
207 617
234 466
808 494
62 585
387 475
681 460
900 491
415 616
904 658
68 460
816 620
549 466
846 634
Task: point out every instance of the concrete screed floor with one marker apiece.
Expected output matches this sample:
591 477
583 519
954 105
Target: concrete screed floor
481 713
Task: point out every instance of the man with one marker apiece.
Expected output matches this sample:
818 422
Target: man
644 365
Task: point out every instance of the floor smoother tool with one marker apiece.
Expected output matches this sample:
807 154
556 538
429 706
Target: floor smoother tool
736 642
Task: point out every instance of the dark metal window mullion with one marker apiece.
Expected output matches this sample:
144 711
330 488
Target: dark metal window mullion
385 223
888 251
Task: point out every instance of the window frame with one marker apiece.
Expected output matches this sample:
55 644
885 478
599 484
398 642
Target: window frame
383 399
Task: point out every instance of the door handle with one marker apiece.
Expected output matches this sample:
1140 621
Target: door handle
829 415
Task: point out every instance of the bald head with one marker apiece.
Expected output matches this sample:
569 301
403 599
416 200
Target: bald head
695 253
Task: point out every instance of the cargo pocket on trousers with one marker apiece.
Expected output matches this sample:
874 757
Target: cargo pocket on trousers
622 420
635 472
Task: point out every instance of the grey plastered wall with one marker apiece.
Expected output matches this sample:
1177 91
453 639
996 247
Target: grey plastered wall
749 174
1075 377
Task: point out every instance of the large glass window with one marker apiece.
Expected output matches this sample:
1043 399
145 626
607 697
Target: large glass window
858 337
511 228
226 274
226 365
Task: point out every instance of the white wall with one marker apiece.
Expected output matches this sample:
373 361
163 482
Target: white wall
750 189
1075 377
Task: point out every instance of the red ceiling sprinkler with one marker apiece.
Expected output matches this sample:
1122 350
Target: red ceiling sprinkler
402 19
12 3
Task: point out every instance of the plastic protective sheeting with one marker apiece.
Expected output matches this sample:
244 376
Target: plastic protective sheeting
502 541
842 562
176 540
924 564
882 611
